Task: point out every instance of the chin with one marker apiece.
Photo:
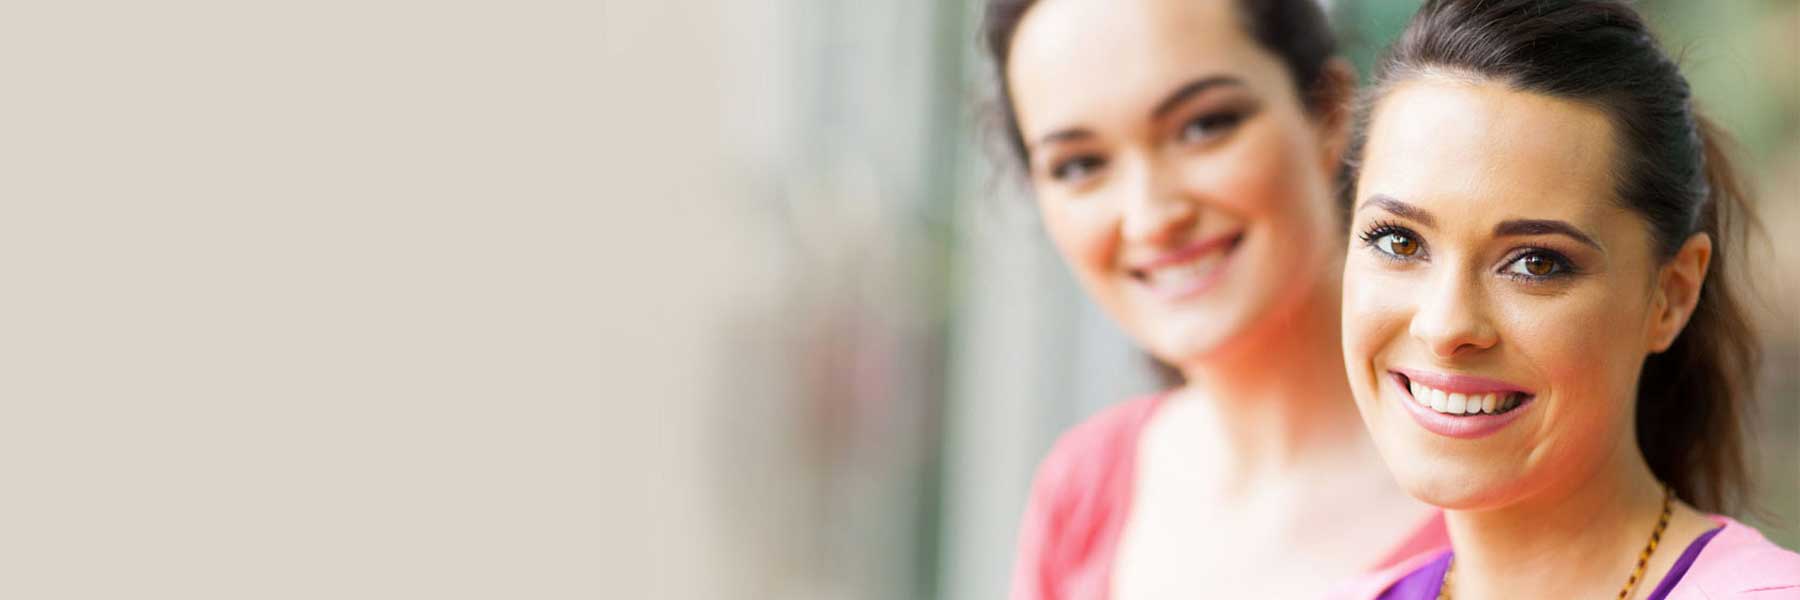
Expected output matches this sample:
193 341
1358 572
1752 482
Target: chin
1195 338
1200 336
1455 483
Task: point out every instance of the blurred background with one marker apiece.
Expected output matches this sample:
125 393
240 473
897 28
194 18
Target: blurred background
911 345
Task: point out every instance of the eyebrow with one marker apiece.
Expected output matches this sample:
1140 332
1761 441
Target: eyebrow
1189 90
1169 103
1397 207
1513 227
1545 227
1064 135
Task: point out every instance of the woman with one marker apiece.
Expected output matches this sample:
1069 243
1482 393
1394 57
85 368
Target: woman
1537 325
1183 156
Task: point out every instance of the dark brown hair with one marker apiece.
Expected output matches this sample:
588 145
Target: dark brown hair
1296 31
1672 170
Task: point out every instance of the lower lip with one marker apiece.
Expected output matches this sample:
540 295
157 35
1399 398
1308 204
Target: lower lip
1465 427
1205 282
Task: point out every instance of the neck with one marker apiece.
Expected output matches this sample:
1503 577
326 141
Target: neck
1582 541
1278 398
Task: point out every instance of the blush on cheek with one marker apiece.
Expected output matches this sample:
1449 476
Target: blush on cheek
1586 370
1084 238
1594 380
1370 319
1268 173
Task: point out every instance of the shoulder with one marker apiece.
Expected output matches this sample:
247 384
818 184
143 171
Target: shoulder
1077 498
1094 449
1740 562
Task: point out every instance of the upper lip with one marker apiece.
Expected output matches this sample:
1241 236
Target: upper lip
1460 384
1189 252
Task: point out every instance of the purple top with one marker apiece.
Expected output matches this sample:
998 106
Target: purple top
1423 583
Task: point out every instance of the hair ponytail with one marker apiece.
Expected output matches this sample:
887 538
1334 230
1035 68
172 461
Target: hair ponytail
1694 399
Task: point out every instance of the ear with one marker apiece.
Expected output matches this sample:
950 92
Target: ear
1332 103
1677 291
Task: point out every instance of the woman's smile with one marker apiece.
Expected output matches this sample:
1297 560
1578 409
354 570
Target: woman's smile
1459 406
1190 270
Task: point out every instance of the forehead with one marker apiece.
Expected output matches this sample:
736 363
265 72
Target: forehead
1442 140
1073 59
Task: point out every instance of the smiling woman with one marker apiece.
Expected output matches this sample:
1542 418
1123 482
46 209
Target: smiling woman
1537 326
1183 155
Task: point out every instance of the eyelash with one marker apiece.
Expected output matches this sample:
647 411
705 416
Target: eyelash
1372 236
1211 124
1564 266
1089 162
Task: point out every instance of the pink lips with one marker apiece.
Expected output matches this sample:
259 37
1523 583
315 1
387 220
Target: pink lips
1458 426
1463 384
1190 251
1221 243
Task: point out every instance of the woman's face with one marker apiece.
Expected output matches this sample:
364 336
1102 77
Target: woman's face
1491 272
1175 167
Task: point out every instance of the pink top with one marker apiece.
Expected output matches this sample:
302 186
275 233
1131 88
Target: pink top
1078 505
1740 562
1737 563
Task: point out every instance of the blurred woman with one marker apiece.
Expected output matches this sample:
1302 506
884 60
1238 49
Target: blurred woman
1183 155
1537 323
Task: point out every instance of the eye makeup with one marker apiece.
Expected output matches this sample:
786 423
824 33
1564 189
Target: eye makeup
1075 168
1534 264
1525 264
1393 241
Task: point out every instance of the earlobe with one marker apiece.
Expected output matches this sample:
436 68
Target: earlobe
1678 290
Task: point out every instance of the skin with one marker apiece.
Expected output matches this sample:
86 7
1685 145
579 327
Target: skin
1241 468
1560 502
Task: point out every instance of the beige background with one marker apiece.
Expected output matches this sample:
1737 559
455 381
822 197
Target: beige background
354 299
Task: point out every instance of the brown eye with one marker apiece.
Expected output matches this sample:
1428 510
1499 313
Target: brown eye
1209 126
1539 265
1398 244
1075 169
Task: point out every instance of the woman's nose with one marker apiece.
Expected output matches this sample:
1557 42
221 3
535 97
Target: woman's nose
1156 208
1451 318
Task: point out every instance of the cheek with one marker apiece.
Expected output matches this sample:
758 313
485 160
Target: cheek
1579 342
1272 173
1581 347
1269 182
1085 235
1373 316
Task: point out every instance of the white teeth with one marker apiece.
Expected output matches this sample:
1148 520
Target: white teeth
1179 275
1463 404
